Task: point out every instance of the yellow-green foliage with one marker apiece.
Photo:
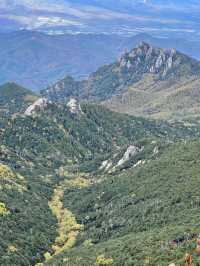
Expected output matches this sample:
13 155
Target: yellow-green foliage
12 248
88 243
68 228
5 172
65 259
47 256
103 261
10 179
78 182
3 209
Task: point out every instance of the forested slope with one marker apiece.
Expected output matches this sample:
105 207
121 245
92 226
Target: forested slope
95 187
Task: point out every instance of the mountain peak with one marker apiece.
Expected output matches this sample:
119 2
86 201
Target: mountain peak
144 46
114 79
148 49
148 59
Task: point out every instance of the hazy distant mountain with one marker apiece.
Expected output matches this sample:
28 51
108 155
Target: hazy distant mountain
36 60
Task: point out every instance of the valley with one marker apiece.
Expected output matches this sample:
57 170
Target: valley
82 185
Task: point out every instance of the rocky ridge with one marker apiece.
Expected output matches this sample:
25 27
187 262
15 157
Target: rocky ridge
115 79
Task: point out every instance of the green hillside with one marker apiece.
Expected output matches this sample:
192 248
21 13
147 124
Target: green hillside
54 137
96 187
14 98
159 100
132 217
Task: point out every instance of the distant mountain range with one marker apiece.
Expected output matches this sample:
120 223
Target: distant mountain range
36 60
147 81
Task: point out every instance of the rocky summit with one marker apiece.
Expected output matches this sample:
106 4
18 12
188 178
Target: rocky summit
148 59
142 82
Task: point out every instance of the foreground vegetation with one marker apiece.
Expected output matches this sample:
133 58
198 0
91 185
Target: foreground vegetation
133 217
59 207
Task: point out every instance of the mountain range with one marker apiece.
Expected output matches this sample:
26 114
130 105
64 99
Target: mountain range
147 81
36 60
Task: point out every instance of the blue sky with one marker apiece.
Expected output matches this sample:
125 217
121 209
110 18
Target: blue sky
117 16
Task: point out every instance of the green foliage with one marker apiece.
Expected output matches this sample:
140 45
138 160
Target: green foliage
102 261
3 209
99 213
54 137
14 98
134 216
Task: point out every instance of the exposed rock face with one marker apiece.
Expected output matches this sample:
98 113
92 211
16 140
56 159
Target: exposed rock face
74 107
109 166
155 151
148 59
114 79
140 162
131 151
106 165
63 90
40 103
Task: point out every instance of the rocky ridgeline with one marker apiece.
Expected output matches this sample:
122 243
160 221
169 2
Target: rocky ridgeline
148 59
73 106
110 166
39 104
114 79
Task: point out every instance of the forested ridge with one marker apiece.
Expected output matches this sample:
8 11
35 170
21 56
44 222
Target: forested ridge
96 187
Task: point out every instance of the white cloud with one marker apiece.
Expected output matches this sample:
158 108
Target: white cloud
40 21
40 13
